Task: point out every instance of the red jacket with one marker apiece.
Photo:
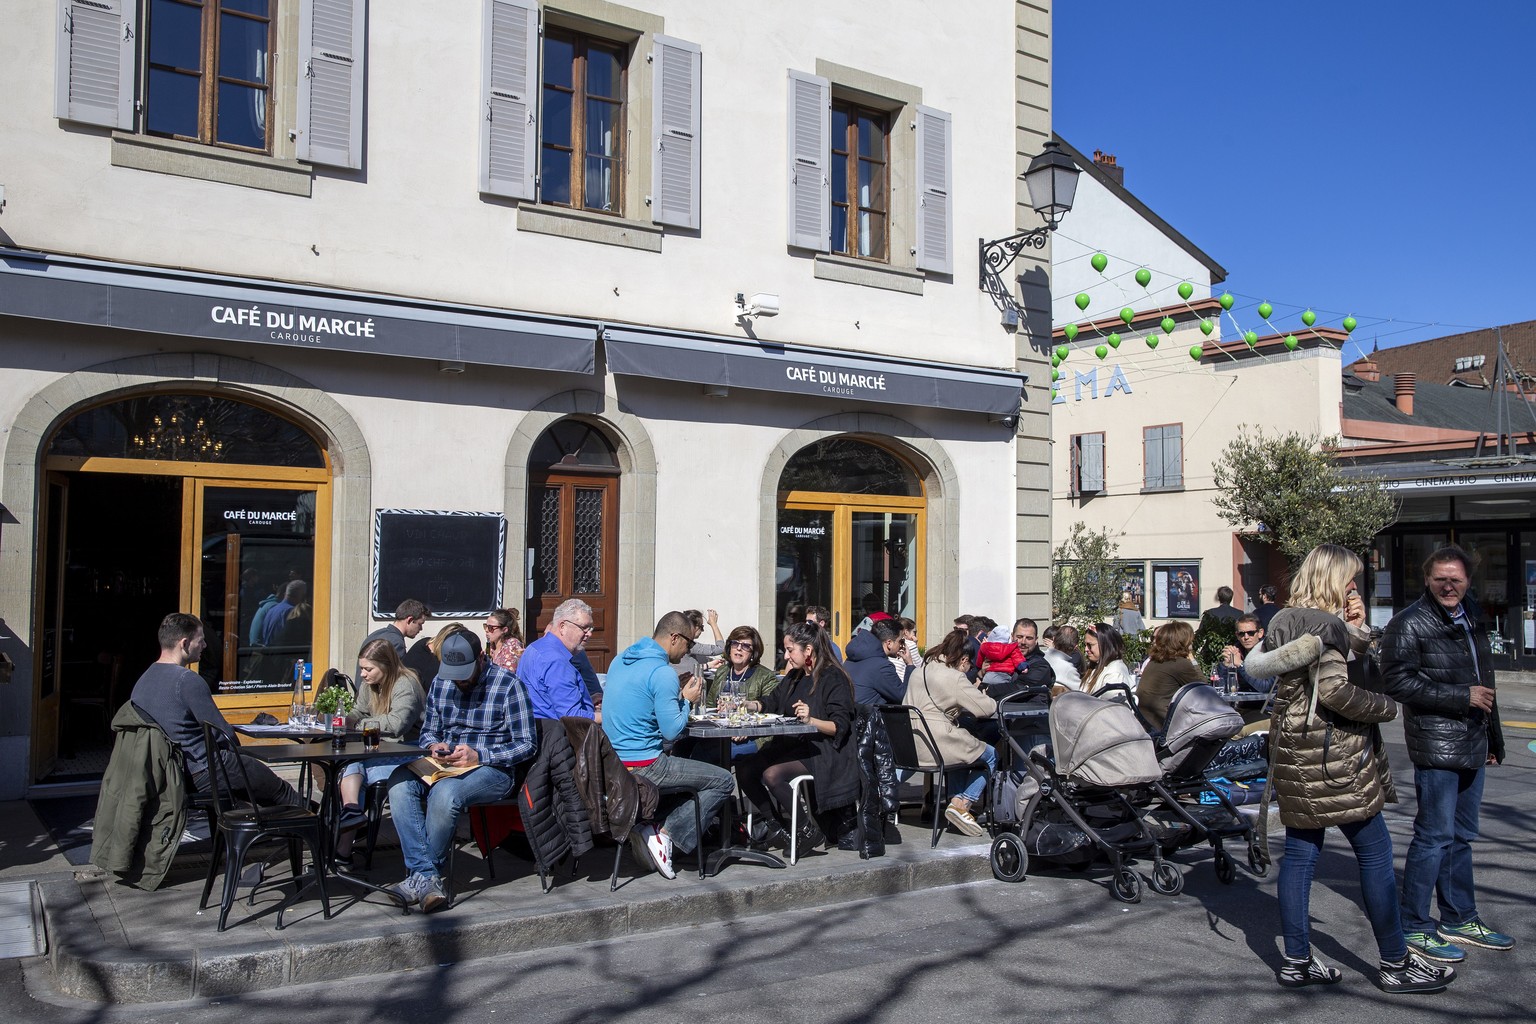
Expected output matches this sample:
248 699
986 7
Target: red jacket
1001 657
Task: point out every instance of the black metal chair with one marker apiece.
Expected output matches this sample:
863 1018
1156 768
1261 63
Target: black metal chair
692 793
907 728
239 825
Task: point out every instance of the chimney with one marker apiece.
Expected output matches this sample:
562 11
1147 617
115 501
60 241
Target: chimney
1366 369
1406 383
1106 163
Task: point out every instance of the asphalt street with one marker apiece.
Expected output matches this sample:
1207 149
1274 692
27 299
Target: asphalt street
1054 947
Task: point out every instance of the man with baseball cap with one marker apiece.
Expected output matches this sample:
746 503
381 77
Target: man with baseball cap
478 718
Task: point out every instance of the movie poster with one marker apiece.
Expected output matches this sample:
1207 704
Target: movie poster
1133 582
1176 590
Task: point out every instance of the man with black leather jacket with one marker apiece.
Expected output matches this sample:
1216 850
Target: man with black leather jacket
1436 661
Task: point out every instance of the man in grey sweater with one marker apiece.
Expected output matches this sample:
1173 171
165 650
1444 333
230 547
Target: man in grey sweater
177 700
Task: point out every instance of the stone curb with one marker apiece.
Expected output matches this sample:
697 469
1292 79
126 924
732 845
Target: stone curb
87 965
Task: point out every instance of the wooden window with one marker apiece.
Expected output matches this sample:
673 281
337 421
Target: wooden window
861 183
209 72
1087 463
1163 457
581 152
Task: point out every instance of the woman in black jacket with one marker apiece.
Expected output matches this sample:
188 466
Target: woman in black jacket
817 692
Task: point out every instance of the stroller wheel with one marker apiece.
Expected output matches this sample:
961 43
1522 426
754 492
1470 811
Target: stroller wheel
1126 886
1010 861
1226 871
1167 880
1258 862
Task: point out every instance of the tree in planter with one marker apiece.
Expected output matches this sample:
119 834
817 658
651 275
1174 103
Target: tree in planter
1289 487
1214 635
1085 578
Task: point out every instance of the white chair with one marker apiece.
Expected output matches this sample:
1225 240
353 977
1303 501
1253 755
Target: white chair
794 812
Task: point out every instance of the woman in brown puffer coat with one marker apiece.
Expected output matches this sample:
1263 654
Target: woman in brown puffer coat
1328 767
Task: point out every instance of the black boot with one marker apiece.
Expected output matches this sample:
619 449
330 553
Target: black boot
768 833
809 836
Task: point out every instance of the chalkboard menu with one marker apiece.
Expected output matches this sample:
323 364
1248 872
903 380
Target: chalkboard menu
451 561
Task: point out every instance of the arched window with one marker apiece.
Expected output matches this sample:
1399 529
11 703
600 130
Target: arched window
187 428
847 465
572 444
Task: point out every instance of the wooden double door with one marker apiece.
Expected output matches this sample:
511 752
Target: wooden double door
573 548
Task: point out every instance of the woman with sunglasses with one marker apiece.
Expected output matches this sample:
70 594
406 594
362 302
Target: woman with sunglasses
1105 652
503 638
743 677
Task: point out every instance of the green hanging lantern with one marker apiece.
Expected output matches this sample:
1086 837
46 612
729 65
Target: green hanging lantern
1101 351
1127 314
1143 277
1070 331
1226 300
1309 318
1186 290
1114 340
1265 309
1291 342
1206 327
1099 261
1196 351
1168 325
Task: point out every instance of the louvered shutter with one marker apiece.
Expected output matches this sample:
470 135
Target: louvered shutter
810 191
332 42
509 136
1091 463
1152 457
675 123
934 175
93 70
1173 456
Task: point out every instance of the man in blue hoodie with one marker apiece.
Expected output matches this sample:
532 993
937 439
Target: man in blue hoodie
875 680
644 705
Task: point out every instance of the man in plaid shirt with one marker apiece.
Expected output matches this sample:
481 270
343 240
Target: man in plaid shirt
478 717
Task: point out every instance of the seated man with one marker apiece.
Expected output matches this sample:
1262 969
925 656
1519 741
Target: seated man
1233 675
478 717
178 700
644 705
875 680
547 669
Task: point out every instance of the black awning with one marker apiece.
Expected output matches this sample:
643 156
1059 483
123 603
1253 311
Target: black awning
99 293
801 370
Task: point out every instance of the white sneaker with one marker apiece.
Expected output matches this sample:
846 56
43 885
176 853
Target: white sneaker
659 846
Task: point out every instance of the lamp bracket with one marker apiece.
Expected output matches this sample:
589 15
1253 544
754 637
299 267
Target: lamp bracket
996 257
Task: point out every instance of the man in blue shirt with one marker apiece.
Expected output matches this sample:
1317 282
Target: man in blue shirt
646 704
478 719
547 670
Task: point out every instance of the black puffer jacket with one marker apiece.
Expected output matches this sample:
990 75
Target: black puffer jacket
554 817
1428 668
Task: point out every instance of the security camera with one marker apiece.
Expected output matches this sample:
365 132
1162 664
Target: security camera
760 304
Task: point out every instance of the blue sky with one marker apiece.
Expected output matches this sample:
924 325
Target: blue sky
1363 158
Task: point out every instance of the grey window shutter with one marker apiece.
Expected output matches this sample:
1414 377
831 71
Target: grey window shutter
1173 456
810 190
509 135
934 204
1091 463
675 121
93 76
332 41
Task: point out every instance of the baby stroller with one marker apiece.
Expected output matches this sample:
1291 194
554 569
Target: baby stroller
1072 807
1199 723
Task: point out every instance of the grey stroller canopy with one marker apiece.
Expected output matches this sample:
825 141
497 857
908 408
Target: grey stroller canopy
1101 743
1196 713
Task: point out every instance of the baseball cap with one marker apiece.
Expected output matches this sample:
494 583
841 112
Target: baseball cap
459 657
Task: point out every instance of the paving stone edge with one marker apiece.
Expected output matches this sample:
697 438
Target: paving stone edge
87 965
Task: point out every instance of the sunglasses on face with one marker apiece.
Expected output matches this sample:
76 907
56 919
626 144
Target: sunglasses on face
1247 632
741 645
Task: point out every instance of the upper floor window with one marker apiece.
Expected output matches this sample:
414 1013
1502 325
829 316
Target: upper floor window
1087 464
209 71
861 180
1163 457
581 154
205 71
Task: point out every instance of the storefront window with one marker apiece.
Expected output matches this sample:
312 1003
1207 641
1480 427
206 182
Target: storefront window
187 428
1431 509
1475 510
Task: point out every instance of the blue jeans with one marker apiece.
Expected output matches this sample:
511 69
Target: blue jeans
377 769
1440 855
972 782
426 816
1378 885
715 786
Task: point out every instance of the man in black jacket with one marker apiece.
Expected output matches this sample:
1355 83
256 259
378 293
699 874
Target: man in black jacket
875 680
1437 663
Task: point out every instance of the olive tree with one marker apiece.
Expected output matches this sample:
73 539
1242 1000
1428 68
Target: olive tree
1290 490
1085 577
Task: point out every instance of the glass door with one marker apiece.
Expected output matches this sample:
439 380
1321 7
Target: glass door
802 574
1492 590
884 568
255 583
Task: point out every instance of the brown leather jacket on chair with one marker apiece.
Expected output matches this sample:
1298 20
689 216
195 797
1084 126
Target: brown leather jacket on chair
616 799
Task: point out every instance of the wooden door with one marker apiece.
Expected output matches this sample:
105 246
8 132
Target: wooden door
48 633
573 548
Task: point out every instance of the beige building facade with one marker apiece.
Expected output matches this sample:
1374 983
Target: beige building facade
495 303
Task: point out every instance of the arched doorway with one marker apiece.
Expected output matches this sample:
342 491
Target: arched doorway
850 525
573 531
170 501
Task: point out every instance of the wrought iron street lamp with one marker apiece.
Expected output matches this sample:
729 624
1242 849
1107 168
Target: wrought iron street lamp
1052 183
